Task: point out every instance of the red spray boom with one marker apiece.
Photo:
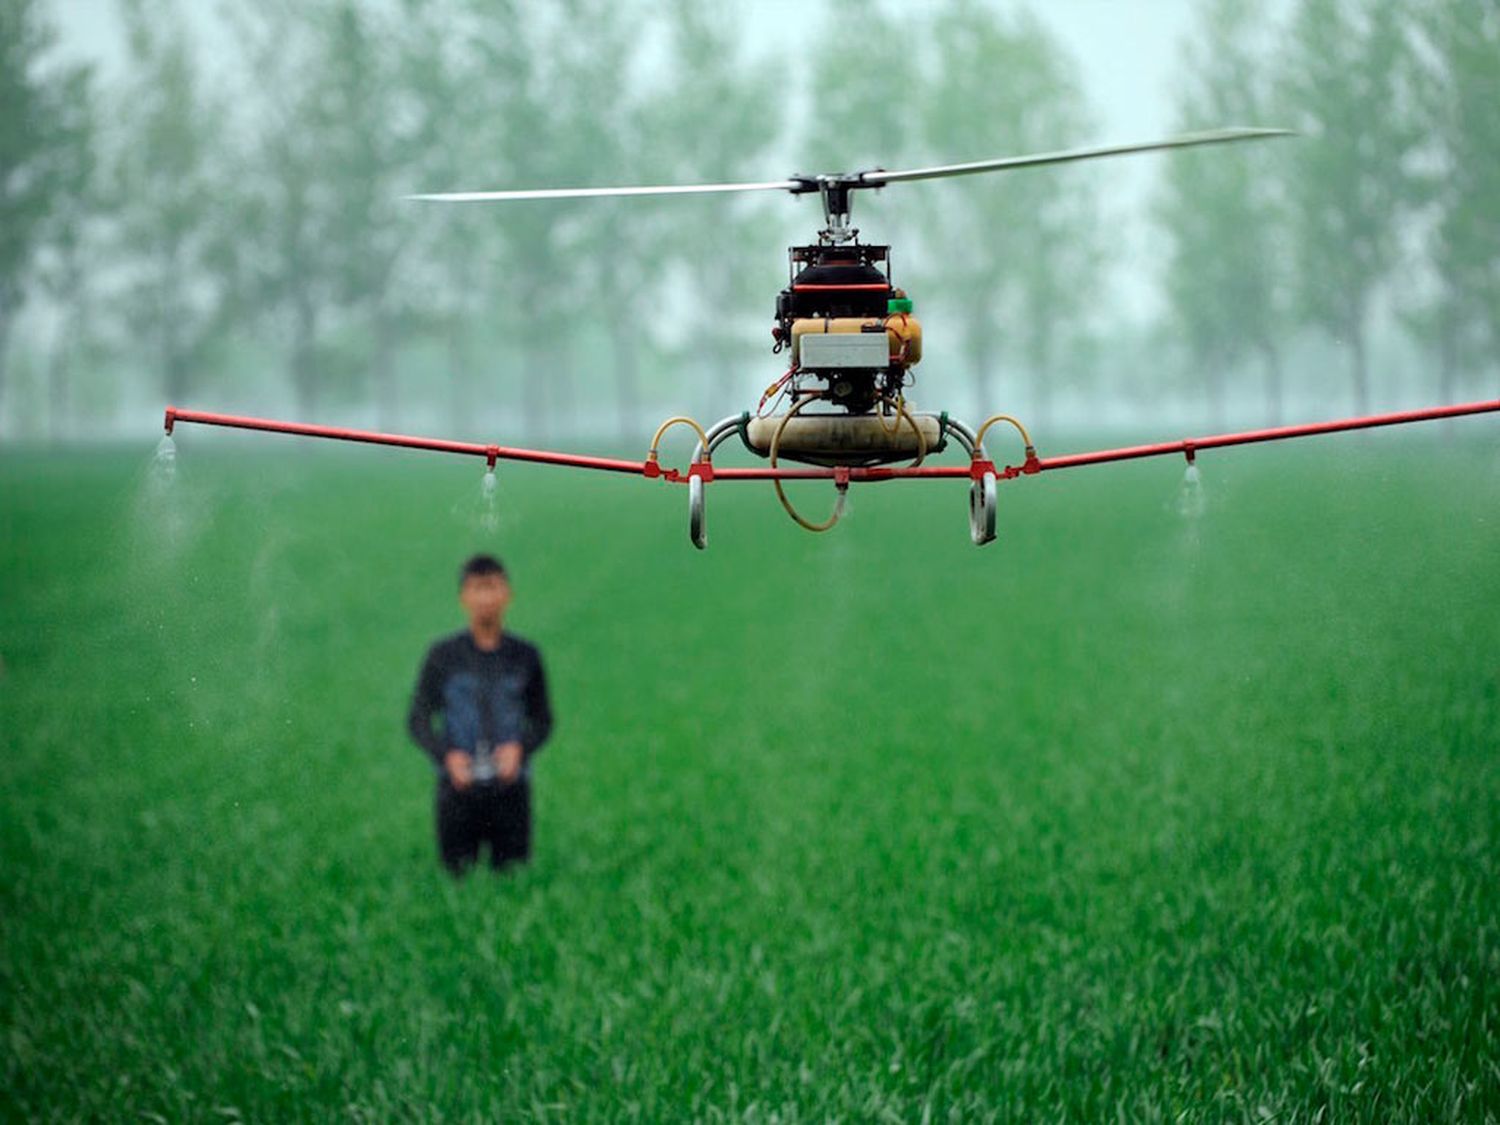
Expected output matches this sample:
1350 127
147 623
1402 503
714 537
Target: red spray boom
981 470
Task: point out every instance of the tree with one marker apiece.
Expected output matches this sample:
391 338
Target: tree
1221 213
287 211
519 77
70 247
43 147
863 114
1458 87
719 121
604 255
1021 254
458 250
1347 186
173 241
369 155
626 241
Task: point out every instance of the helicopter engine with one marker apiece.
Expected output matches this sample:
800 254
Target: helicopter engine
853 335
846 325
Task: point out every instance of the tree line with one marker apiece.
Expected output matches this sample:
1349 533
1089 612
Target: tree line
227 223
1387 210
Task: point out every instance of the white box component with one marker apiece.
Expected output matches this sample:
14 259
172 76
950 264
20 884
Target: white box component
845 351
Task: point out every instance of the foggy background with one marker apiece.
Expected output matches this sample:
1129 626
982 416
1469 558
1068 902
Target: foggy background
201 204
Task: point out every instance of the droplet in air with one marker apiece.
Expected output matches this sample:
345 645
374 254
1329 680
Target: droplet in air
478 509
161 508
164 461
489 516
1191 500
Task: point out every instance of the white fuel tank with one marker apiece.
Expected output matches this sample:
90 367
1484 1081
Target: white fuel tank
844 439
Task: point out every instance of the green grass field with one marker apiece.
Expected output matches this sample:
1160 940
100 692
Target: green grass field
1122 817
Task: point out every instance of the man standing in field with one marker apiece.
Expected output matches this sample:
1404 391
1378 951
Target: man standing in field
488 688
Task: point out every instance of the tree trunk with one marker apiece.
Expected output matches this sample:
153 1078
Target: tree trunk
178 375
7 319
175 358
1447 364
981 361
59 378
1360 364
387 403
1213 384
533 415
1043 367
1447 373
461 411
1041 393
537 371
1041 346
563 404
171 327
723 384
169 355
627 373
1271 355
304 343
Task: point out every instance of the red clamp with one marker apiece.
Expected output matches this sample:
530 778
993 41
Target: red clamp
703 470
841 477
979 466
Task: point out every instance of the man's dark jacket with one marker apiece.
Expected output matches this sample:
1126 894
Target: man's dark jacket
486 698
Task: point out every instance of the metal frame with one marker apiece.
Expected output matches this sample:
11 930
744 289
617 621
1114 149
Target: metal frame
697 516
982 473
982 509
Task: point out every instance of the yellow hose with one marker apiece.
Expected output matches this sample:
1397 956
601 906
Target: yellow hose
884 400
902 415
838 508
680 419
902 412
991 420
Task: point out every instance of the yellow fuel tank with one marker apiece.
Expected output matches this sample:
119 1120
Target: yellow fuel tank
903 333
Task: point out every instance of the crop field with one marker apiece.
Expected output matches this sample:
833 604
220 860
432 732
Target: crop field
1125 816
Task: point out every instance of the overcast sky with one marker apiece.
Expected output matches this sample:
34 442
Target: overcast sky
1126 50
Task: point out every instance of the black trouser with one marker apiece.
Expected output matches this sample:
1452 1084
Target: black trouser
499 814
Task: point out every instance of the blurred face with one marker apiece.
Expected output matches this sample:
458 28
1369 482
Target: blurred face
484 598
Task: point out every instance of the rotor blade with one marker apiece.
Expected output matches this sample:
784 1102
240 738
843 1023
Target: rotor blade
593 193
1209 137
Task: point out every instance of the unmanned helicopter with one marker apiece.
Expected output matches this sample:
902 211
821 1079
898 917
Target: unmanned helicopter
842 412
